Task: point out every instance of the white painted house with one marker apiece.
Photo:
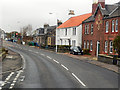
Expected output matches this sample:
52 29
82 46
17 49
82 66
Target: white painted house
70 32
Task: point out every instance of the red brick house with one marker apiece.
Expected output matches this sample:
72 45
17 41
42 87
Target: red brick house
101 28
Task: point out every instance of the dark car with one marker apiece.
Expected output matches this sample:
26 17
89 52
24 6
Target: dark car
76 50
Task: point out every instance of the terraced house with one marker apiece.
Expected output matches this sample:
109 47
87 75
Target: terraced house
101 28
70 32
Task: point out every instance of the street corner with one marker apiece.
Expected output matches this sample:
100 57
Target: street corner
12 62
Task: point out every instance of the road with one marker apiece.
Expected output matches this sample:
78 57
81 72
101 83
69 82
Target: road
45 69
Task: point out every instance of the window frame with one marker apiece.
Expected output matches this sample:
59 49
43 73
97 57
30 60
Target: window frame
107 27
111 46
92 28
106 46
113 25
74 31
88 44
116 25
84 44
65 31
91 45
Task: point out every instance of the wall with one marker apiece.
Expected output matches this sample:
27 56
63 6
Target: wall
60 34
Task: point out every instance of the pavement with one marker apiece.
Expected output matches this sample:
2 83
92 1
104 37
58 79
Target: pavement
12 62
93 60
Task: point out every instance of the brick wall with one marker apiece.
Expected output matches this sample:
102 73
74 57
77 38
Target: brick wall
99 33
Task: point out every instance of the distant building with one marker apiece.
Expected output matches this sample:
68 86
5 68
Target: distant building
70 32
2 34
45 36
101 28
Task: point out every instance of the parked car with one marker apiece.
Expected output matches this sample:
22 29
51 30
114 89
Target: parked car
76 50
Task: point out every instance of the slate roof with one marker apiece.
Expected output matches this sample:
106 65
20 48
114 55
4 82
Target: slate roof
108 12
74 21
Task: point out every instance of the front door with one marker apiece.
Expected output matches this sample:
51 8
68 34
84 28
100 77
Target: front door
98 48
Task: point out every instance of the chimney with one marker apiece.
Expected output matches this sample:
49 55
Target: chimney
95 4
59 22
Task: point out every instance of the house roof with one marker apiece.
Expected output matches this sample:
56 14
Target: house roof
74 21
109 12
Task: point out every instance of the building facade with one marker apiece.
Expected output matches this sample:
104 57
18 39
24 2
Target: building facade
101 28
70 32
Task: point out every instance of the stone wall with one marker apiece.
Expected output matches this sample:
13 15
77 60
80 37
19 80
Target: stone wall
107 59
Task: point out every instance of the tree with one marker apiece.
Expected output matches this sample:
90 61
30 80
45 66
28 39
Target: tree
116 44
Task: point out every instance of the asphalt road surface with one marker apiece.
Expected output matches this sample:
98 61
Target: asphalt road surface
44 69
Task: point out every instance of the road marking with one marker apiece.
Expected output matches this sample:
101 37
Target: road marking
30 50
36 52
56 61
23 78
15 79
10 75
64 67
78 79
42 54
49 57
24 62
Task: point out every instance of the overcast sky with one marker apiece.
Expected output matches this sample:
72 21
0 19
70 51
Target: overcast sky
15 14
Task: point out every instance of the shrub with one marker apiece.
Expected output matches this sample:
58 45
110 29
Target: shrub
86 51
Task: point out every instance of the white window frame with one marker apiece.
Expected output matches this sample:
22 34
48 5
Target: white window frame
111 46
113 24
85 29
88 29
107 26
66 32
87 44
116 25
74 31
84 44
73 42
91 45
91 28
106 46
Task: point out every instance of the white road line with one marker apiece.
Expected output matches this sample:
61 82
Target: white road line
24 62
7 79
36 52
64 67
49 57
30 50
42 54
15 79
78 79
56 61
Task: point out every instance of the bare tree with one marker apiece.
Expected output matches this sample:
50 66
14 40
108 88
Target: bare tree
26 30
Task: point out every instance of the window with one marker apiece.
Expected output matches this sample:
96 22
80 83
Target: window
88 29
116 26
84 44
91 28
74 31
85 29
106 46
73 43
87 44
113 26
107 25
111 46
91 45
66 31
